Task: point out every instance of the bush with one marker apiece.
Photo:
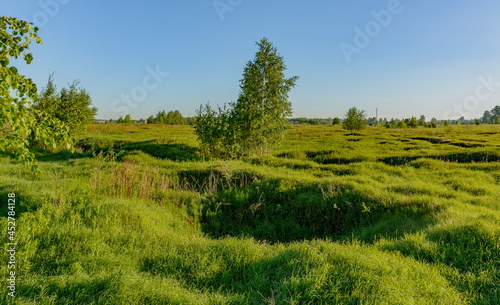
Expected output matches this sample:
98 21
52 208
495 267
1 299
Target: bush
216 131
170 118
355 119
401 124
414 122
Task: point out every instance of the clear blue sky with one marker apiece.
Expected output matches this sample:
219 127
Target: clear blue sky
423 57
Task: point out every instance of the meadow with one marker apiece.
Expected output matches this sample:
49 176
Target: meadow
136 215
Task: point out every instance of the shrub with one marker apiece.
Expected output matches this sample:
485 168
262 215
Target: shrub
355 119
401 124
414 122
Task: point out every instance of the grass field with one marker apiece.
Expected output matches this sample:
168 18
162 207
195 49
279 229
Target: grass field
381 216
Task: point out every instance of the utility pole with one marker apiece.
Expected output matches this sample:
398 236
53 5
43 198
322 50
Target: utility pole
376 115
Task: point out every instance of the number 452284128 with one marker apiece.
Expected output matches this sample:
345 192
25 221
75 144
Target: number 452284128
11 212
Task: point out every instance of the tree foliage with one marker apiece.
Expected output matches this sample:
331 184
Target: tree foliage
216 131
170 118
492 116
311 121
355 119
126 120
257 120
421 121
263 104
19 122
71 105
413 122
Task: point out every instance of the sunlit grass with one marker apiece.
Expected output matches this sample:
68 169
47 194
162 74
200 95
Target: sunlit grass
138 216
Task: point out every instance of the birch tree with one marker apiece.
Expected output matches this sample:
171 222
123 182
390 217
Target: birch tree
19 122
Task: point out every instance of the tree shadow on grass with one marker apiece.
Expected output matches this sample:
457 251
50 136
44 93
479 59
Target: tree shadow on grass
64 155
174 152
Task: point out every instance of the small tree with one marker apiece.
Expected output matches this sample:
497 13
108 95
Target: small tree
128 120
401 124
336 121
175 118
355 119
258 118
161 117
71 105
372 121
263 105
421 121
414 122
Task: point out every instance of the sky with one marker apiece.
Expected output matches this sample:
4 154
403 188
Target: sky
409 57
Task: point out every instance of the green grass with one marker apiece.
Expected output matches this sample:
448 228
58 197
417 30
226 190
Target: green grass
138 216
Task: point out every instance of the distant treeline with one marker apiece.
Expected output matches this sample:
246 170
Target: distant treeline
492 116
162 117
175 118
489 117
311 121
170 118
